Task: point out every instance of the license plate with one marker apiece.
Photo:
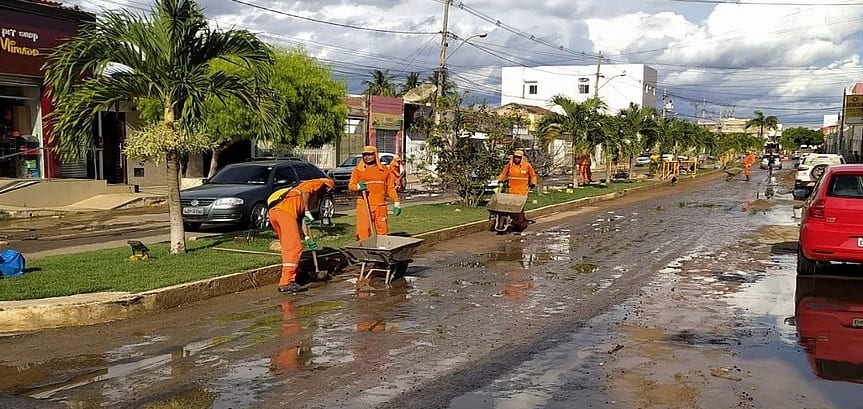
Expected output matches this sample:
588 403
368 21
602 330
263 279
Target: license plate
194 211
857 323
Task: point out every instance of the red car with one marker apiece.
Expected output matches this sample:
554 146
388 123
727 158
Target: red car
829 320
832 226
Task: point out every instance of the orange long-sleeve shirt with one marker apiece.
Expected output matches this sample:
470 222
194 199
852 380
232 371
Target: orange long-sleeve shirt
379 181
520 177
291 199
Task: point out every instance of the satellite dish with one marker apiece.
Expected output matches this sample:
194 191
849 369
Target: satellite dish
420 93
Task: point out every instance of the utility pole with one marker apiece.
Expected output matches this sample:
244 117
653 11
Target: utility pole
664 105
442 63
598 65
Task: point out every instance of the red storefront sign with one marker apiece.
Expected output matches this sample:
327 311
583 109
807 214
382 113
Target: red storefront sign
27 38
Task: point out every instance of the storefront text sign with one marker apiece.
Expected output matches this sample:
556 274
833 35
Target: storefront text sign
25 40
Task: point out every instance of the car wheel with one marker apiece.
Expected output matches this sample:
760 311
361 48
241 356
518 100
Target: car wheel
258 217
191 226
326 210
805 266
817 172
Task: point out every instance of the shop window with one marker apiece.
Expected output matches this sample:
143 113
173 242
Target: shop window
584 88
532 89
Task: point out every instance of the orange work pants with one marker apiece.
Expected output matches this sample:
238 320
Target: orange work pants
378 219
584 173
287 229
747 170
288 358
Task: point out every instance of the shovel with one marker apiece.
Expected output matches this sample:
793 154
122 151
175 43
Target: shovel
318 271
369 213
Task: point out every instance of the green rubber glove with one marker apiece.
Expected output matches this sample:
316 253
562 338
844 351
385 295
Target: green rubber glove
361 186
499 187
397 209
308 219
310 244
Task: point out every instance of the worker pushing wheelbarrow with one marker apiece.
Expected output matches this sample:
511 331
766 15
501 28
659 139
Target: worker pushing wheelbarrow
375 250
506 210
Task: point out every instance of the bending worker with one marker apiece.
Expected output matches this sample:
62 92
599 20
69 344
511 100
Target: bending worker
521 176
289 208
377 180
748 161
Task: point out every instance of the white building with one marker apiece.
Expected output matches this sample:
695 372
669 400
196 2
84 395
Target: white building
619 84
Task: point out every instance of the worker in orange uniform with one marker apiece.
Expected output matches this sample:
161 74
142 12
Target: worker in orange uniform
397 168
372 177
289 208
521 176
748 161
584 174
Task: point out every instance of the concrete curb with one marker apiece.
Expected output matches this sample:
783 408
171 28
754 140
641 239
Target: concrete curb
95 308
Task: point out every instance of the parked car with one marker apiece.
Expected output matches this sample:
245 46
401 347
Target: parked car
813 166
829 321
777 161
341 175
831 228
237 194
642 160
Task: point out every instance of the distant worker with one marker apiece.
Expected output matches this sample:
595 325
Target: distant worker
397 167
748 161
521 178
372 177
584 174
289 208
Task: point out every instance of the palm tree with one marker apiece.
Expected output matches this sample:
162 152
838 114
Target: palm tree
762 122
579 120
450 89
411 81
381 84
168 56
638 124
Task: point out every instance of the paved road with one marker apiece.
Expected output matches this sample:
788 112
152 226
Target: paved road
673 297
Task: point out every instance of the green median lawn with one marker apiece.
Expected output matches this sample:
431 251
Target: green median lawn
111 269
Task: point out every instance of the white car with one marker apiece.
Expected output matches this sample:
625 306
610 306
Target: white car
813 166
642 160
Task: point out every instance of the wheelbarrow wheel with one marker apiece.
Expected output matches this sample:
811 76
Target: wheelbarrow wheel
400 269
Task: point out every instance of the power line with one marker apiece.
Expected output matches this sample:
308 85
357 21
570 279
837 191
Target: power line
332 23
752 3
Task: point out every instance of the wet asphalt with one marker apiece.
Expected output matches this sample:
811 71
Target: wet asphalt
675 296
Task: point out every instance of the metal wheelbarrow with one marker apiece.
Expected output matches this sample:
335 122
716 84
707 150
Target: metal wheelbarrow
388 254
502 207
731 173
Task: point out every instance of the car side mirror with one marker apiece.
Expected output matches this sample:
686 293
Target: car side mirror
800 194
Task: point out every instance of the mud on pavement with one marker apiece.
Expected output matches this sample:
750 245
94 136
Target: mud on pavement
639 302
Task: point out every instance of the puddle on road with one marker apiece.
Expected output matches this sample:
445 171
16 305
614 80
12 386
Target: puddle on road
714 334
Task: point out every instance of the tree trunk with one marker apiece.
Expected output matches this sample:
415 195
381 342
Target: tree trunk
172 167
214 162
608 171
574 163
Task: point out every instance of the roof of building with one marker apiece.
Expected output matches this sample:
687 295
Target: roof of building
532 109
49 7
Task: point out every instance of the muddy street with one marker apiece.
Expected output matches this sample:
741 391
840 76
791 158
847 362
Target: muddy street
678 296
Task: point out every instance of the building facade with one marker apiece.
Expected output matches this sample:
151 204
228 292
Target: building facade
29 30
618 85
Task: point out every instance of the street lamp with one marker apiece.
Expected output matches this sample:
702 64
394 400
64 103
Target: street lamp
463 42
596 92
441 81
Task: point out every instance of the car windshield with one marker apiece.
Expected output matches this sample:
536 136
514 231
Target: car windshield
850 186
352 161
242 175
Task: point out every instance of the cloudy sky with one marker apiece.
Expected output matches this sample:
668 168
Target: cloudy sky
788 58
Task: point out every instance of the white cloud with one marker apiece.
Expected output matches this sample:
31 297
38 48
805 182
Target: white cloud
749 55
